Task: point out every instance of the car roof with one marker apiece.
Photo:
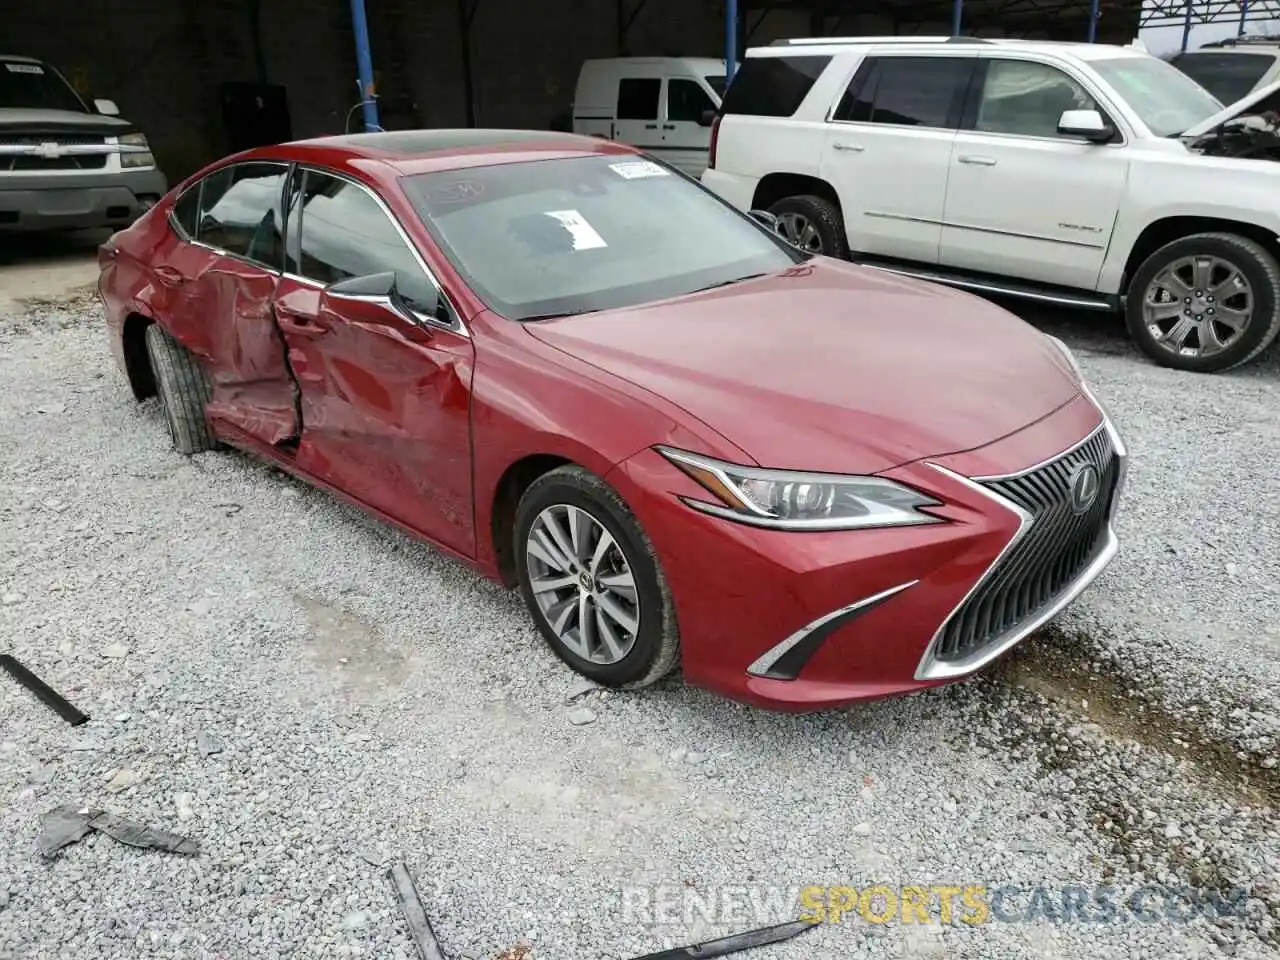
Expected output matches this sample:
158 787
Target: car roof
19 58
408 152
827 46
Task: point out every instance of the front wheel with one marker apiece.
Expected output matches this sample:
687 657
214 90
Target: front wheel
1205 303
589 577
184 390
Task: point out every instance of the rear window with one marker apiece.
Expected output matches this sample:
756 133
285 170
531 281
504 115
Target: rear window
772 86
1228 76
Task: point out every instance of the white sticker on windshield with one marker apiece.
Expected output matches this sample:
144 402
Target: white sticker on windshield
584 235
637 169
24 68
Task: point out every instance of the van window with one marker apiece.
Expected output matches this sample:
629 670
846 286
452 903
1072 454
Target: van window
687 101
638 98
772 86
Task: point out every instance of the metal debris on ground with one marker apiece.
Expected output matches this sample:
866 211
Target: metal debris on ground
68 824
735 943
414 914
46 694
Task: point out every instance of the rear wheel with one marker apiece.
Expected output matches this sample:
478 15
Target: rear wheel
813 224
184 390
591 580
1205 303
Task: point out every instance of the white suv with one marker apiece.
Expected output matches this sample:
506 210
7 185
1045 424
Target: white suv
1080 174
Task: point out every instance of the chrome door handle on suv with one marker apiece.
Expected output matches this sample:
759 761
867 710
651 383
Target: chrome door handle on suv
854 147
980 161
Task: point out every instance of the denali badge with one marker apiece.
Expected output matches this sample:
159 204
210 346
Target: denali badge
1085 484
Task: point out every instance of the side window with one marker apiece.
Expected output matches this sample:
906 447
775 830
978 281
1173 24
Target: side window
343 232
186 211
908 91
686 101
240 212
638 98
1021 97
772 86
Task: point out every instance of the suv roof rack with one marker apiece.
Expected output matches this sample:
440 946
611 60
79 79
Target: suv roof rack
1243 42
825 41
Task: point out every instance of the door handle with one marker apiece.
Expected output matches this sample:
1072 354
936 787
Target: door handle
668 126
303 326
170 274
979 160
850 147
651 126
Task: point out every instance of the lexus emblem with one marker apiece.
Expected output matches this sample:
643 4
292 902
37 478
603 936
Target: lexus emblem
1085 484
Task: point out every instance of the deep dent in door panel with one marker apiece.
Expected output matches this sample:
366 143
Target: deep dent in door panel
253 388
387 419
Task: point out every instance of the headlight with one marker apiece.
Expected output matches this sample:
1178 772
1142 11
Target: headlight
138 153
789 500
1066 352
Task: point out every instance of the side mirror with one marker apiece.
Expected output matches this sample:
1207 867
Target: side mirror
707 119
766 219
107 108
379 289
1086 124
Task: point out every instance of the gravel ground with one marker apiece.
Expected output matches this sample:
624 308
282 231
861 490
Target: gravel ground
312 696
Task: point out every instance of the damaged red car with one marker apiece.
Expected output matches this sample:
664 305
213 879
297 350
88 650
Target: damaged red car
687 442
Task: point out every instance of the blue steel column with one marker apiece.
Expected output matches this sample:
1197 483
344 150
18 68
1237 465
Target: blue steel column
1244 15
957 11
1093 21
1186 27
730 38
364 65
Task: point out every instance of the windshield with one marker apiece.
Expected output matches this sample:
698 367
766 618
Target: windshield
717 84
550 237
1165 99
1228 76
32 86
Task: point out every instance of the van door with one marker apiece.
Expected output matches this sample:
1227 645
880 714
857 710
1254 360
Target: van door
636 118
686 138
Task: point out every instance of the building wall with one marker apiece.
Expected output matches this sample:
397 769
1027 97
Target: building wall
162 60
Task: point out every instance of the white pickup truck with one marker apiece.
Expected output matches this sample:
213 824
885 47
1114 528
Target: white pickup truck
1085 175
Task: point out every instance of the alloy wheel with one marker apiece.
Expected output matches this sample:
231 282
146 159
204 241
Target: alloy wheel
1198 306
799 230
583 584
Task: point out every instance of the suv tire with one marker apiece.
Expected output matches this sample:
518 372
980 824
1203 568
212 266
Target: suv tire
806 219
1236 275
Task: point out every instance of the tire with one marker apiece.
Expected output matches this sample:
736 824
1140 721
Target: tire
654 648
184 390
823 215
1153 282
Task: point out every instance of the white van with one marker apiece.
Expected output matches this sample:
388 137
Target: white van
659 104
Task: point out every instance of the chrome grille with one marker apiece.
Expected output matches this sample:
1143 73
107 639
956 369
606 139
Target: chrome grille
91 161
1056 547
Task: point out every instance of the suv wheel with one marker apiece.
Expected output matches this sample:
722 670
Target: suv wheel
813 224
1205 303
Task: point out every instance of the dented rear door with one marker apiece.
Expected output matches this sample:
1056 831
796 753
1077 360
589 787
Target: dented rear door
219 290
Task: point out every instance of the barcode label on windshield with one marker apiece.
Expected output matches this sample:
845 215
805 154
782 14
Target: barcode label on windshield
637 169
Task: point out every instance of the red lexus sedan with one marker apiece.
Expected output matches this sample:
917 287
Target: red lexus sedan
687 442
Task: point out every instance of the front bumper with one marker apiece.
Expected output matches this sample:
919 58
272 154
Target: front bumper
36 201
806 621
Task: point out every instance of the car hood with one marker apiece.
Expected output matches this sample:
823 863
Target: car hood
22 120
1250 103
831 367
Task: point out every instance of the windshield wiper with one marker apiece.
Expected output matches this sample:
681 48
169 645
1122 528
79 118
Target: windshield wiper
729 283
555 316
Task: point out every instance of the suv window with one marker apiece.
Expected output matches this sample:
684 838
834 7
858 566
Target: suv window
911 91
342 232
240 212
1021 97
686 101
1228 76
772 86
638 98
